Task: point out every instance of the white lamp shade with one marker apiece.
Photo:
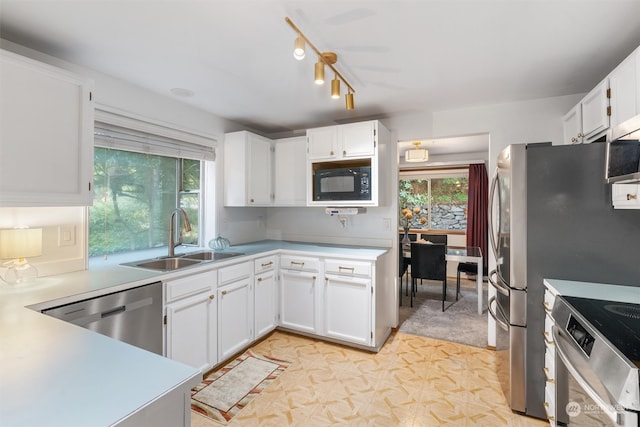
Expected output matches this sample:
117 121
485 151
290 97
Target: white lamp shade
416 155
20 243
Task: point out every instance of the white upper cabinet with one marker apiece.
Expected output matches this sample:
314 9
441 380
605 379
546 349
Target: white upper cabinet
290 172
323 142
46 135
590 118
595 110
625 89
343 141
572 126
247 170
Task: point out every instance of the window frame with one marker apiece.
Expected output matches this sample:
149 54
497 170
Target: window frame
430 174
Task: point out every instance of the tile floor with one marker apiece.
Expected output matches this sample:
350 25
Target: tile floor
412 381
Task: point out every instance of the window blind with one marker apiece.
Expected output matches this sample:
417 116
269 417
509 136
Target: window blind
131 134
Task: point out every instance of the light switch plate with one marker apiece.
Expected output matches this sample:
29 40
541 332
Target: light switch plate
66 235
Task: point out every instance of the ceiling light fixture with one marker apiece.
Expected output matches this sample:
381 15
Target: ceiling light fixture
416 154
324 58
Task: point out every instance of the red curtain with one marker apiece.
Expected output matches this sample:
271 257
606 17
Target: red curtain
478 209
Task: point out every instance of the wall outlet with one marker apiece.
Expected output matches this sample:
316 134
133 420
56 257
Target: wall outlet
66 235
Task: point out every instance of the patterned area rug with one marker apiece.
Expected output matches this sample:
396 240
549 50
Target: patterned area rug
222 394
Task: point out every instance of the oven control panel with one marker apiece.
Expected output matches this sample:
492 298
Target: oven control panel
580 335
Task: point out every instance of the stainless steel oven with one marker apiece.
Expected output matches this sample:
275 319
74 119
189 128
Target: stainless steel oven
598 350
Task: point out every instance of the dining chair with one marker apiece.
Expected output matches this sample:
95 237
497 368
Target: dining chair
403 263
428 261
435 238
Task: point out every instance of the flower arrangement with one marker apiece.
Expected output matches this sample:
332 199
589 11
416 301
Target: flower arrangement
409 217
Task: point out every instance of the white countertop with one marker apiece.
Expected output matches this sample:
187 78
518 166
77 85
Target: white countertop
54 373
601 291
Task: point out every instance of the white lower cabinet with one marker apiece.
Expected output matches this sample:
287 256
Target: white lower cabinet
235 309
191 317
347 308
264 296
298 300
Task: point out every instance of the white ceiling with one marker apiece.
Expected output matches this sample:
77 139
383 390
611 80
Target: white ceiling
401 56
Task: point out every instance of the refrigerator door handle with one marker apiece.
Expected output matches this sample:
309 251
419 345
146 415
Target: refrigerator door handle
493 303
492 236
498 284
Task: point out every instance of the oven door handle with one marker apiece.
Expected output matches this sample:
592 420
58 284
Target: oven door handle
504 325
607 408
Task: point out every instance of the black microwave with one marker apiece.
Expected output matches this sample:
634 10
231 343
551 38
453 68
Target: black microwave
340 184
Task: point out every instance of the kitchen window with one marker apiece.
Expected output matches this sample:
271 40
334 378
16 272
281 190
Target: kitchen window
437 198
139 179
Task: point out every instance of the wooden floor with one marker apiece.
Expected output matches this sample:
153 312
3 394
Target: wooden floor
412 381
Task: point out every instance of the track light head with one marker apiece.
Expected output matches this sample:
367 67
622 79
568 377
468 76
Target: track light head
319 74
335 88
298 48
349 101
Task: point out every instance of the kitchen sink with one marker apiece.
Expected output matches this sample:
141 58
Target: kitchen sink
211 255
165 264
181 261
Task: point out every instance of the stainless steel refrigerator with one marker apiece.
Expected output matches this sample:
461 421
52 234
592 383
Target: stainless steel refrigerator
551 217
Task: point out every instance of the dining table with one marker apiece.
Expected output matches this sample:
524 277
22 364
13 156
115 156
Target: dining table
471 254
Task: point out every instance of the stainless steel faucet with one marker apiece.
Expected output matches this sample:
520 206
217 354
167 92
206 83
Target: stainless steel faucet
172 232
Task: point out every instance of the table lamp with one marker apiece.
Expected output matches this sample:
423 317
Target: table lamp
18 244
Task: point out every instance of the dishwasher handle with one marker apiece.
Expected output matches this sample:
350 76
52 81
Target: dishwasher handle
113 311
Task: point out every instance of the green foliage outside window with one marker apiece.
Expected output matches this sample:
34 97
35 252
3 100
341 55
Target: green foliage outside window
435 203
134 194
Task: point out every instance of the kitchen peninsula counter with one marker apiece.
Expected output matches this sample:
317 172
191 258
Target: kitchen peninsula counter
53 373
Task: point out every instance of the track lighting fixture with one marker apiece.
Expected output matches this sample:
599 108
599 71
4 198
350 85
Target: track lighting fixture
324 58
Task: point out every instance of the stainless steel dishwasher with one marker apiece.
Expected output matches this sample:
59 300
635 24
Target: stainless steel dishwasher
133 316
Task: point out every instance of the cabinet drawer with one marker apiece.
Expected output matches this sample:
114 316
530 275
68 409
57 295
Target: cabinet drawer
235 272
300 263
350 268
190 285
264 264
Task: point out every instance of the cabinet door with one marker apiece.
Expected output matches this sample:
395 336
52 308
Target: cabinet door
298 300
358 139
46 136
322 142
595 117
624 81
259 171
290 172
572 126
264 297
235 317
347 308
191 331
